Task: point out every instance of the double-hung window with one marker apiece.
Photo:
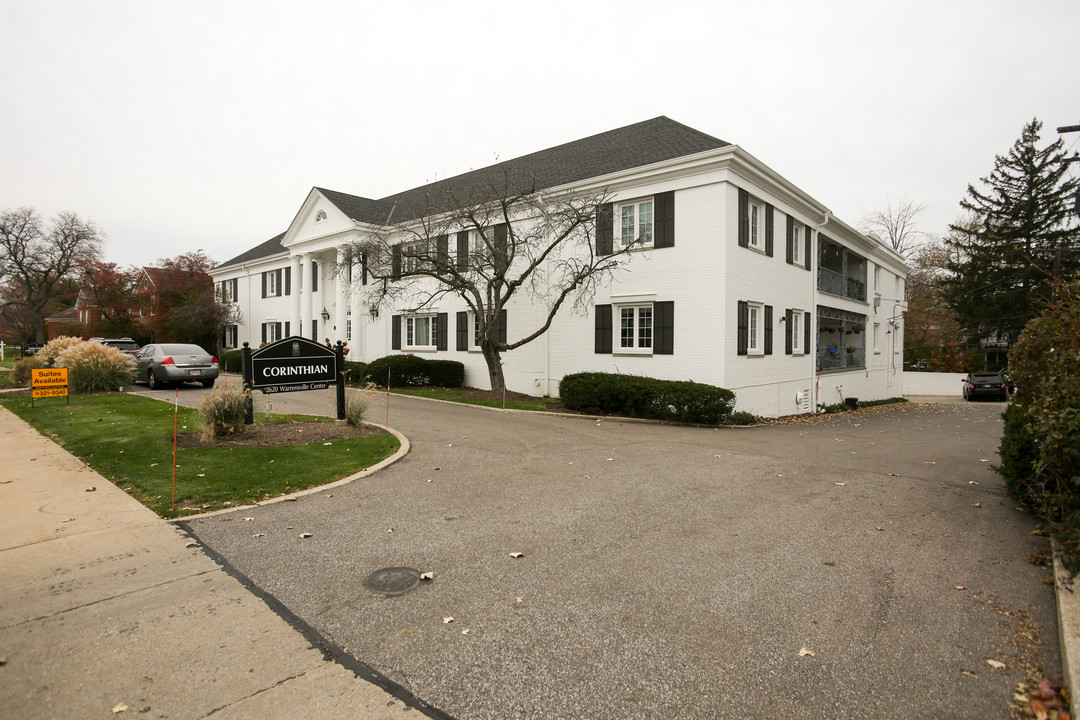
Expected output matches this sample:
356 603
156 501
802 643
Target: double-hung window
755 324
272 289
796 243
635 328
483 245
796 332
755 213
421 332
414 257
636 223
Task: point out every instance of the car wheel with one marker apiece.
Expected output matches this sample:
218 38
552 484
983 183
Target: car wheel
208 383
152 381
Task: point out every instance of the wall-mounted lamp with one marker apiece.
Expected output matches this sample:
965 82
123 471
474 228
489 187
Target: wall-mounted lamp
325 315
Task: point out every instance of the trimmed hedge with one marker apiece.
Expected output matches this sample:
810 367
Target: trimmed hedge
355 371
415 370
232 361
636 396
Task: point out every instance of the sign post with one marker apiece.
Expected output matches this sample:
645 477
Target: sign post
49 382
294 364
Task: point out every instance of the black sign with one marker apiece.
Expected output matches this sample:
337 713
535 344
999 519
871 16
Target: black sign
292 364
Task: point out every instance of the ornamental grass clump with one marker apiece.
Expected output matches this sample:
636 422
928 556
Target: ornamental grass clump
20 373
356 409
50 350
223 410
94 368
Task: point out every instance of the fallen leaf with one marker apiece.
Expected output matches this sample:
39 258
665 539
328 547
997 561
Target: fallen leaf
965 672
879 528
259 535
611 459
389 529
719 671
517 555
838 440
465 631
119 708
191 543
327 443
978 505
92 489
519 599
448 619
894 475
972 482
804 652
1039 708
983 460
202 474
290 499
153 464
995 664
427 576
449 444
840 484
70 520
248 519
959 587
305 535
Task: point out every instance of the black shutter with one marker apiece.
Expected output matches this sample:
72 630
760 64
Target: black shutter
664 328
502 327
395 262
277 329
463 251
315 330
605 228
744 221
264 291
806 333
791 240
768 329
314 276
787 332
501 233
462 331
287 329
264 324
288 281
442 251
809 247
363 269
395 332
440 331
743 326
769 229
664 219
235 290
603 329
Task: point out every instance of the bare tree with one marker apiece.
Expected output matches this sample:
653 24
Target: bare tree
39 261
503 240
898 226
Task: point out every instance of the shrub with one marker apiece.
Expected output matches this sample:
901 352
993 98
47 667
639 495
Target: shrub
355 371
446 373
414 370
1045 365
635 396
20 373
95 368
741 418
232 361
1018 452
48 352
356 408
223 409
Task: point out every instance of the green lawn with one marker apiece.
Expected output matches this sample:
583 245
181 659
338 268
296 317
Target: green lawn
129 440
462 395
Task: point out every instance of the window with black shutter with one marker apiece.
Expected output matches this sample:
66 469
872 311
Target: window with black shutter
664 328
664 219
462 331
743 325
809 244
288 281
744 219
787 332
442 250
440 331
463 251
806 332
791 240
768 329
264 291
770 212
502 327
395 332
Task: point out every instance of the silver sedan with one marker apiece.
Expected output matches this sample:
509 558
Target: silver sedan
164 364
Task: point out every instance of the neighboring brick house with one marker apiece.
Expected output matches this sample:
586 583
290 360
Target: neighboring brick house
745 281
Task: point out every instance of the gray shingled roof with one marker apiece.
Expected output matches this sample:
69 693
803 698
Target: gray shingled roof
628 147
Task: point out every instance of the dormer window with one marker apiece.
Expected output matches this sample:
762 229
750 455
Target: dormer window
320 216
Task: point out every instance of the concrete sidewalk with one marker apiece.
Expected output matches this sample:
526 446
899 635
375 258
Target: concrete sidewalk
108 611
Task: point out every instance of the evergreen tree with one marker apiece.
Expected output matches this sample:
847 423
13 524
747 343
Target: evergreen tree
1005 263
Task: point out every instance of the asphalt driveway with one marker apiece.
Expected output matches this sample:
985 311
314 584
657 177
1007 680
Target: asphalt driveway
861 566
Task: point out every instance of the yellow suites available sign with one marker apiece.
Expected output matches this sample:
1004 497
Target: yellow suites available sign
49 382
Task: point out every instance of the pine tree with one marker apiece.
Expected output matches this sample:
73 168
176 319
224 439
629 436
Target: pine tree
1017 241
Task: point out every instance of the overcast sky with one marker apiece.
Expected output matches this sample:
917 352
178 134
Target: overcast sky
178 126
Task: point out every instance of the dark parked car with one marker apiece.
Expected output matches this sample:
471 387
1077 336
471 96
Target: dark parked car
159 365
30 349
126 345
985 384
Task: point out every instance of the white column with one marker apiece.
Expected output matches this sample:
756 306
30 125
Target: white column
294 307
340 291
307 302
356 345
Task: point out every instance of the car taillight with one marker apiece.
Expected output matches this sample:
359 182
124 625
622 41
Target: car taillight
168 361
213 361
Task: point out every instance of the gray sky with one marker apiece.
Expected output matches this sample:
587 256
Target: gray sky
178 126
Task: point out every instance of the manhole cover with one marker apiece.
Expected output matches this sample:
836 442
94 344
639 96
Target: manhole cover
393 580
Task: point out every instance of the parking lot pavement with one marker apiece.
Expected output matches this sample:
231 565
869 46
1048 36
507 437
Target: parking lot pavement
865 565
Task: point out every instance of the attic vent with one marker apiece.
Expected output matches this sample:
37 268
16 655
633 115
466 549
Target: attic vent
320 216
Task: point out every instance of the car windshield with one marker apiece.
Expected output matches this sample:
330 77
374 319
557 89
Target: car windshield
183 350
985 377
123 345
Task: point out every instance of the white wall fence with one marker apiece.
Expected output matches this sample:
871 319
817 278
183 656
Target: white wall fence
933 383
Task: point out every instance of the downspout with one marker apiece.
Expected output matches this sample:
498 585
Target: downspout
813 356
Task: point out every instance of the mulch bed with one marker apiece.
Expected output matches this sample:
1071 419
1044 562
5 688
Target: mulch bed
278 434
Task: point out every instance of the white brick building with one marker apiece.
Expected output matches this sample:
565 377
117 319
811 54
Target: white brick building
745 282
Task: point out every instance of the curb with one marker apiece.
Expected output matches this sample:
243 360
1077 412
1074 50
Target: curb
1068 617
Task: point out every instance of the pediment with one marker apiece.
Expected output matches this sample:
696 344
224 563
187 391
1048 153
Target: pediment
317 218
